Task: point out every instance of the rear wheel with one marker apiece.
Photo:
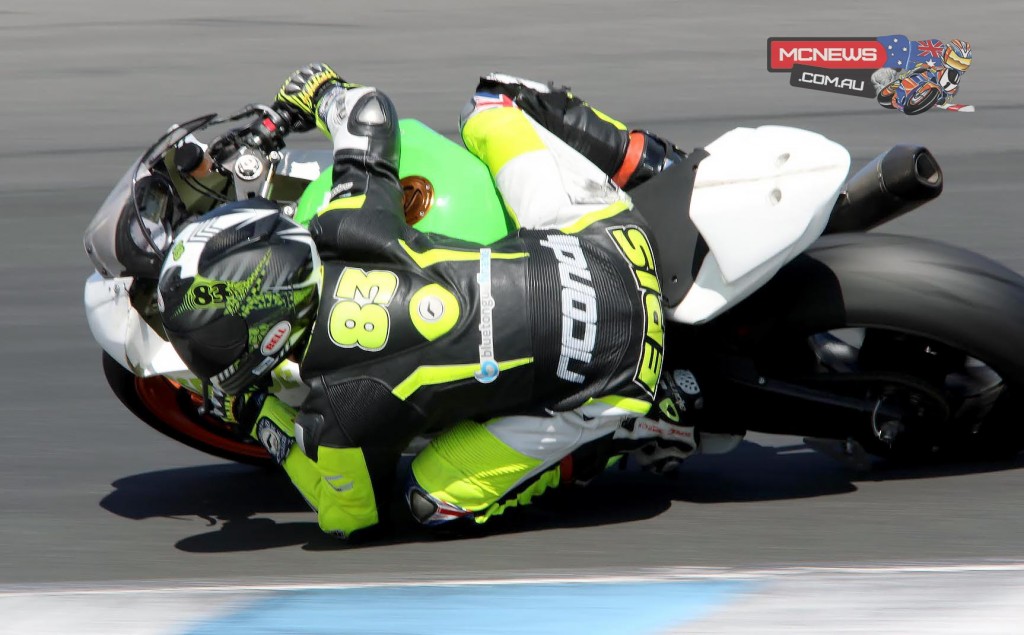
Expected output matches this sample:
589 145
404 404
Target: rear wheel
919 342
932 400
174 411
884 98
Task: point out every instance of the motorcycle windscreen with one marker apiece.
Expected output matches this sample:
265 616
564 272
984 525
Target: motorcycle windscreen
101 235
131 231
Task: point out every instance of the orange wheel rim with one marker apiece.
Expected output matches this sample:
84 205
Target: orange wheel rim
160 396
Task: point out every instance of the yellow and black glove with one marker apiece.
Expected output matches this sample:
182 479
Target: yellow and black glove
302 90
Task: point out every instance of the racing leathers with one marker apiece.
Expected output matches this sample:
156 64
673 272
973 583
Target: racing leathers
544 349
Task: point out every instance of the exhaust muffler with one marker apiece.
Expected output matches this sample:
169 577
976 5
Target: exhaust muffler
899 180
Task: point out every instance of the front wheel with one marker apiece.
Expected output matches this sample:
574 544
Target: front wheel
923 100
174 411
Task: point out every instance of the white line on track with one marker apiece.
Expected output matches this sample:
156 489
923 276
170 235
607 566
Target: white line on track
664 574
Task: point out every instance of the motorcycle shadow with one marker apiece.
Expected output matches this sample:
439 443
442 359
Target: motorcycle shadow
235 500
225 496
760 473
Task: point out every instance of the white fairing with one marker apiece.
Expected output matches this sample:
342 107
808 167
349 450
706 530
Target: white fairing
761 197
122 332
126 337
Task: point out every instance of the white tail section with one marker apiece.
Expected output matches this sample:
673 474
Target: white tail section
761 197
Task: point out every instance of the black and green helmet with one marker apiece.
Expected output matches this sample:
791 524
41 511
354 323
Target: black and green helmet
238 291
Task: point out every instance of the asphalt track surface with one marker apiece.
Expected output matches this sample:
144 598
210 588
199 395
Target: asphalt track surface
90 495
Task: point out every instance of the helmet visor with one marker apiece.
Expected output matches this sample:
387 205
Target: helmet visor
956 61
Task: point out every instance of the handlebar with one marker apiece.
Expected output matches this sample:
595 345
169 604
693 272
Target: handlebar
246 154
134 227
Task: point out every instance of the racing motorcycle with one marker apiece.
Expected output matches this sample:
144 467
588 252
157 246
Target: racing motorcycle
913 92
795 318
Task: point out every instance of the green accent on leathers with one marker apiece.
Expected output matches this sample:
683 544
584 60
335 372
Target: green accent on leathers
471 468
638 406
433 310
337 485
433 375
432 257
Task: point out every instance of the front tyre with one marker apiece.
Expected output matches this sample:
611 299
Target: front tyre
922 101
172 410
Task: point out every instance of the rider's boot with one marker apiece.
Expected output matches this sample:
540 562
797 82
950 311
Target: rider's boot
686 395
672 431
628 157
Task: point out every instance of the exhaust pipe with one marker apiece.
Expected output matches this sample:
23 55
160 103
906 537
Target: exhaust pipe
899 180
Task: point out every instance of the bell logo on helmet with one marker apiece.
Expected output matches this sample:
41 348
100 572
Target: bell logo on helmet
276 338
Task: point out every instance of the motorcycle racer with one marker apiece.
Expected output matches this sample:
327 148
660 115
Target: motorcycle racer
552 338
956 59
900 90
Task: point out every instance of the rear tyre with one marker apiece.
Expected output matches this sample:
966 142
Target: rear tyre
933 330
884 99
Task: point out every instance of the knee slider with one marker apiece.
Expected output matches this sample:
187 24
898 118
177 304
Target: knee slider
429 510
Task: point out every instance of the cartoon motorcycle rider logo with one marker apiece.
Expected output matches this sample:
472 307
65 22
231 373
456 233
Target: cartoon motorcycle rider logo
927 84
911 76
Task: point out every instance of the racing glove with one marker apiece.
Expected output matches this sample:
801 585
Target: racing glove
301 92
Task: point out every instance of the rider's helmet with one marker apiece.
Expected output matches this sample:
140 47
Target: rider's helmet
238 292
957 55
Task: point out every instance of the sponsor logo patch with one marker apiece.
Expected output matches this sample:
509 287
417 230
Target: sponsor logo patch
488 365
276 338
910 76
634 246
579 306
431 308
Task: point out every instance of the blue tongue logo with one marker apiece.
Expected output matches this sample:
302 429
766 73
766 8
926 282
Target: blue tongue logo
488 366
